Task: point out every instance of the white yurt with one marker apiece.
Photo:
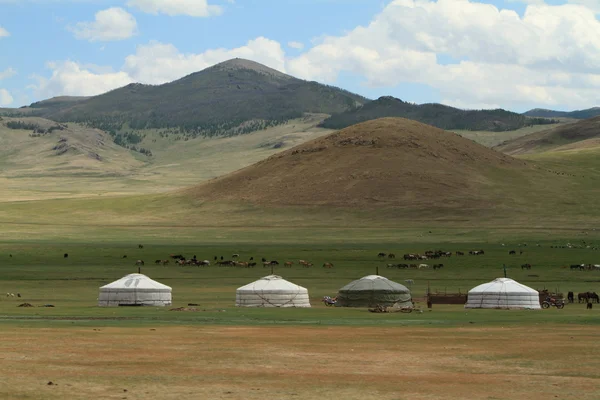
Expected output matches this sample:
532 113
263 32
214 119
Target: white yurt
271 291
503 293
134 290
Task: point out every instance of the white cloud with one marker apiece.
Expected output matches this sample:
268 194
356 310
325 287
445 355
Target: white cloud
593 5
193 8
154 63
3 32
296 45
7 73
71 78
109 25
506 57
5 98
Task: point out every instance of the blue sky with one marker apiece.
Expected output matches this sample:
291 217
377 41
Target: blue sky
472 54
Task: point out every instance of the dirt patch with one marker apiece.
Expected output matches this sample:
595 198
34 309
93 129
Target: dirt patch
299 363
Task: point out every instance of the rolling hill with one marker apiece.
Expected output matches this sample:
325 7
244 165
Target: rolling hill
584 133
577 114
439 115
396 164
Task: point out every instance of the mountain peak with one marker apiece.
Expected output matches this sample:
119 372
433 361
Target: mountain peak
242 63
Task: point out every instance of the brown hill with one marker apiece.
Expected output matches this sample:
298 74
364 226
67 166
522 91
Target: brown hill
389 162
554 139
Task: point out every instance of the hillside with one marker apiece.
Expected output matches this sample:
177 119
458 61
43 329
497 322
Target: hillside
583 132
441 116
391 163
577 114
41 159
233 97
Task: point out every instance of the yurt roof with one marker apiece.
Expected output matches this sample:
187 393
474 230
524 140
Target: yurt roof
136 282
375 282
502 285
270 283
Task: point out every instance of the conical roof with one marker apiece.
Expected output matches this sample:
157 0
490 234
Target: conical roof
503 293
136 282
503 285
272 291
271 284
373 290
375 282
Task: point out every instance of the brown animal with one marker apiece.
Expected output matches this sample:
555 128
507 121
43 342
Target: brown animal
288 263
327 265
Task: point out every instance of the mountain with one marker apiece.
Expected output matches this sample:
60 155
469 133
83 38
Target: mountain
585 133
438 115
578 114
236 96
390 163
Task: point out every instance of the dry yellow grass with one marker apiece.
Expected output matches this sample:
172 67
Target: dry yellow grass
216 362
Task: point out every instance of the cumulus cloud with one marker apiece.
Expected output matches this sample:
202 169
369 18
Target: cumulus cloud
154 63
109 25
7 73
71 78
5 98
504 56
296 45
3 32
192 8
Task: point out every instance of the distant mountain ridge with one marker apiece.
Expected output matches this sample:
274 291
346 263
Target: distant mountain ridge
236 96
438 115
577 114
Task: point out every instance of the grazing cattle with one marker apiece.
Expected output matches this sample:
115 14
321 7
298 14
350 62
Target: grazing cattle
526 266
381 255
139 262
512 252
66 255
570 297
327 265
288 263
438 266
391 255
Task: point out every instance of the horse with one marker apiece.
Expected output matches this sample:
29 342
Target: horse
570 297
512 252
288 263
526 266
438 266
381 255
582 297
327 265
391 255
139 262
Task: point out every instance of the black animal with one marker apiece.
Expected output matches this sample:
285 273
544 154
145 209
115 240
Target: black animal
571 297
251 258
252 264
526 266
512 252
589 306
274 262
460 253
381 255
221 258
216 258
140 246
125 256
438 266
264 259
66 255
391 255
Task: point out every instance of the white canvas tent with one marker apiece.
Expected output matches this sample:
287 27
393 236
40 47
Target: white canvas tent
271 291
134 290
503 293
